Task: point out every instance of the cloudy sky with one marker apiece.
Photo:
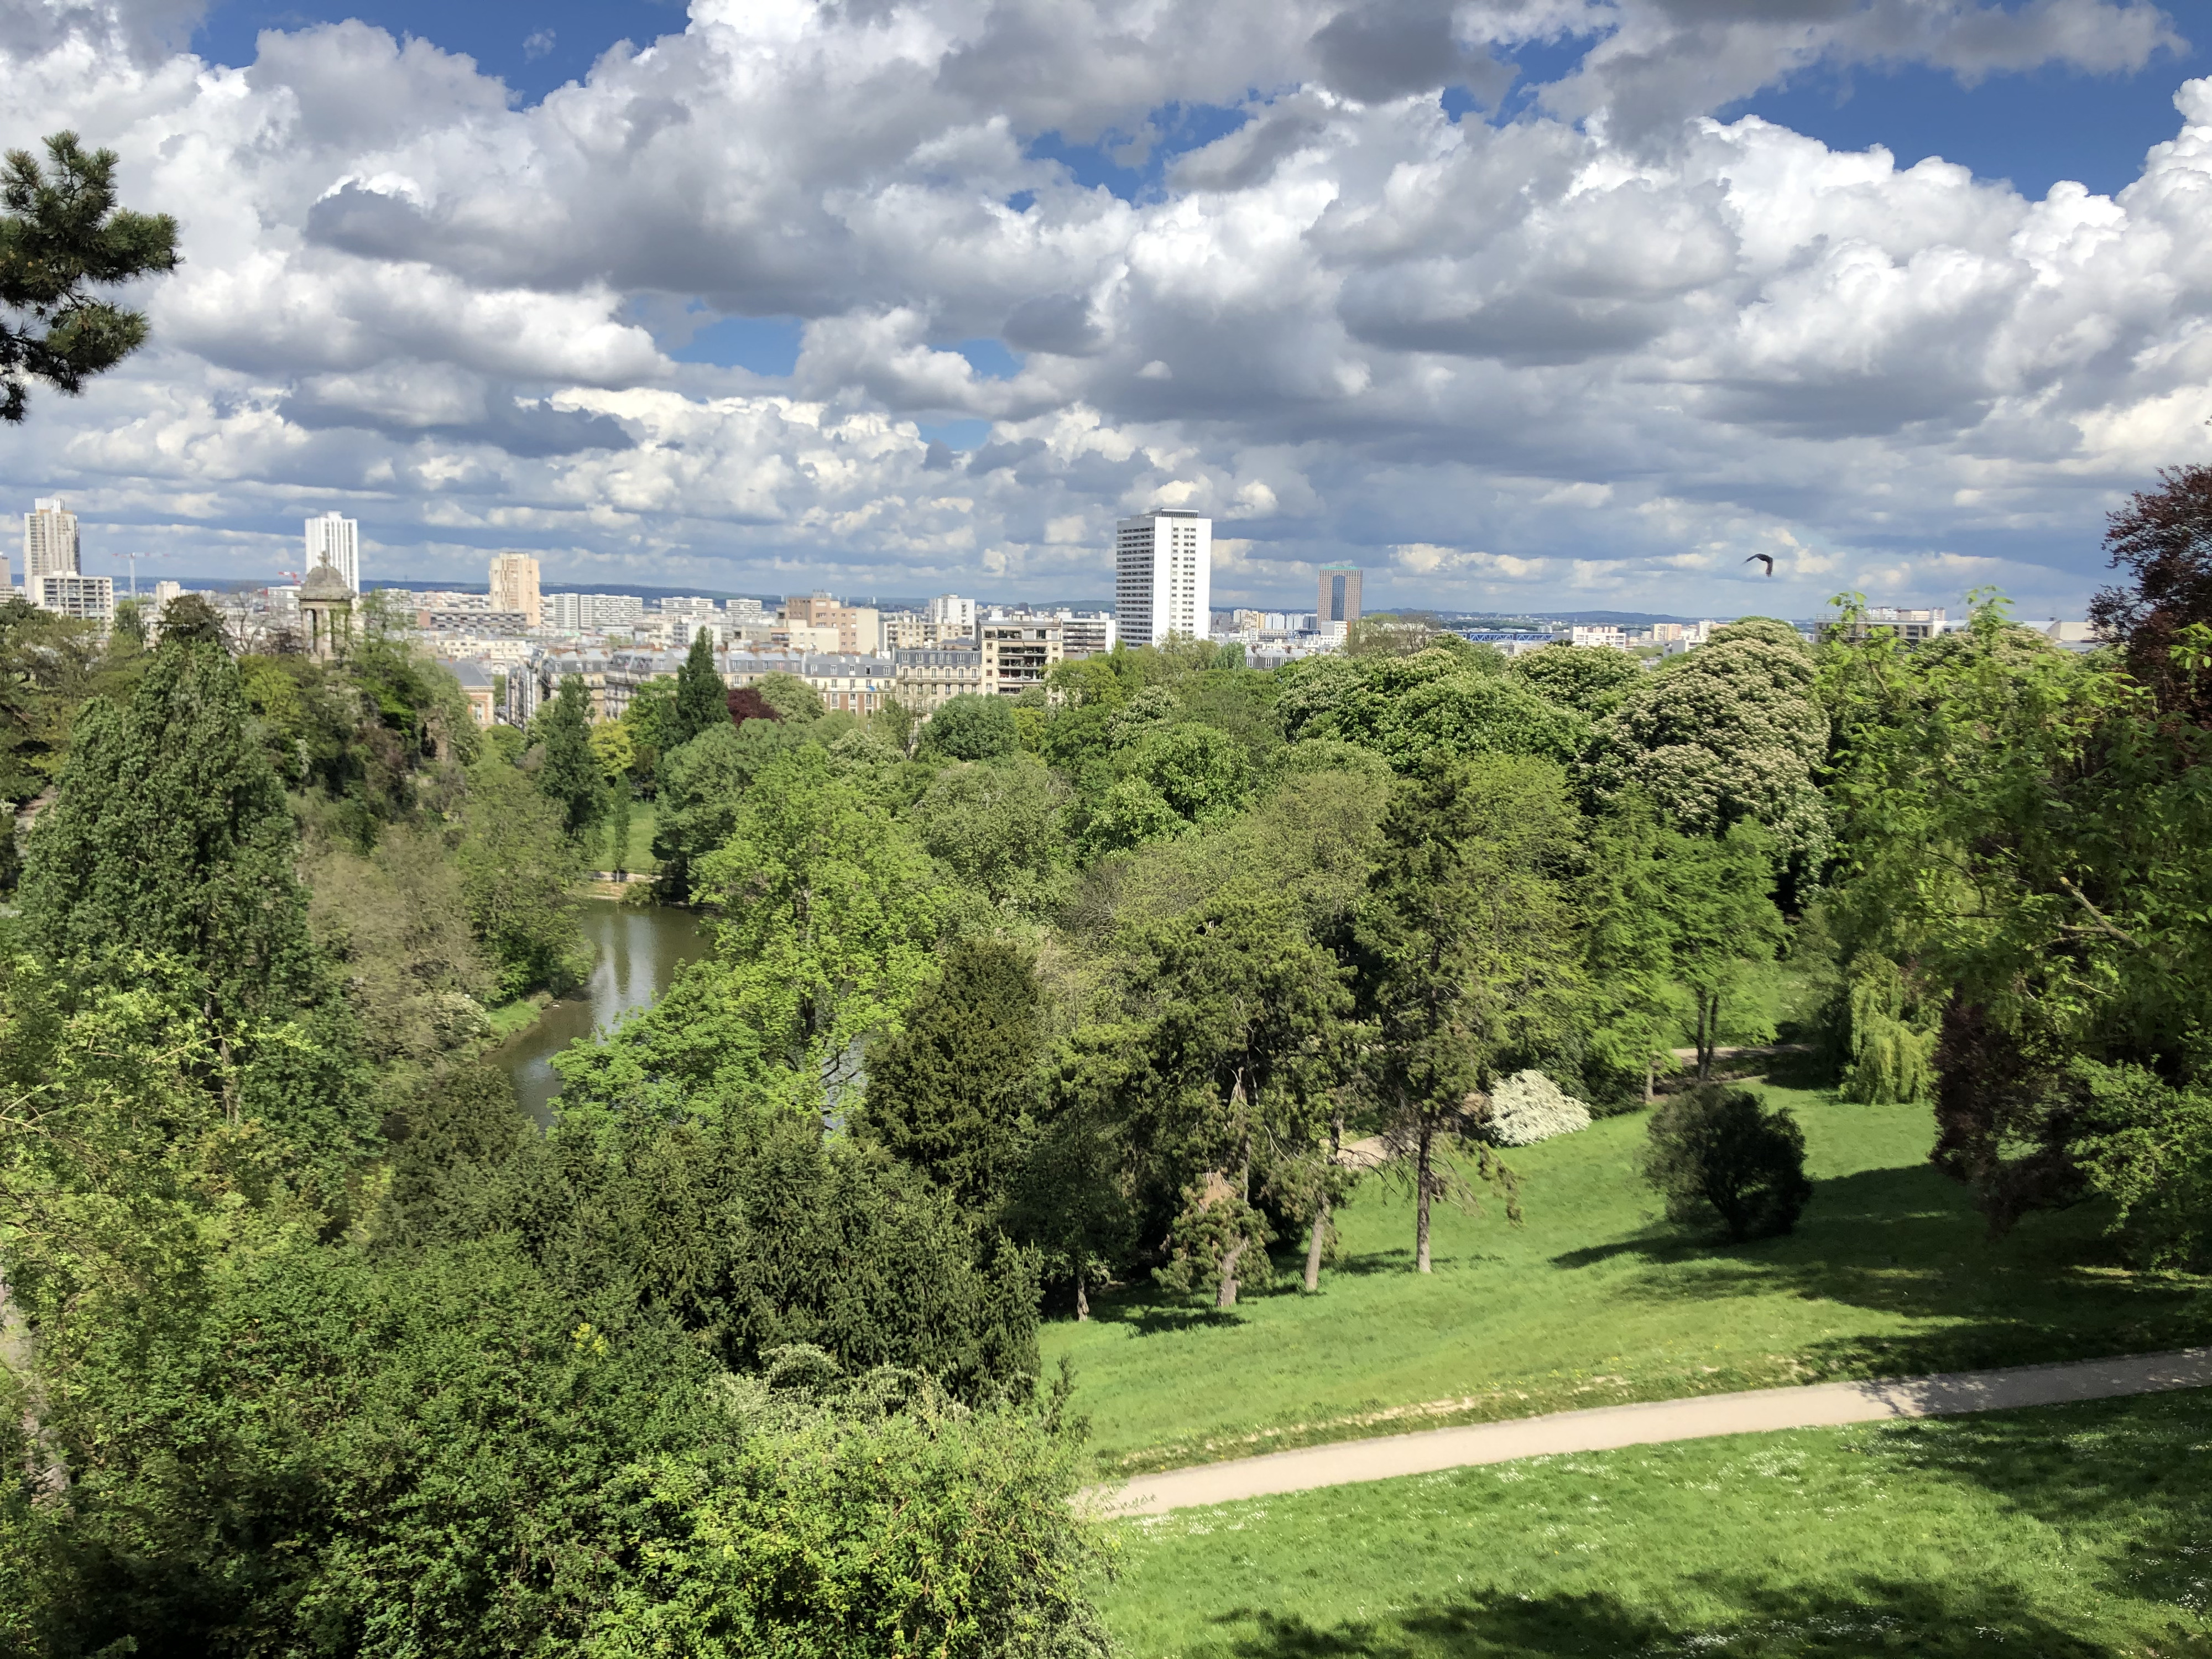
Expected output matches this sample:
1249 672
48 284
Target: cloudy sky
1550 304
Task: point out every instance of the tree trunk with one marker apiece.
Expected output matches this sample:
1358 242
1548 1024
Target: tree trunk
1321 1217
1650 1076
1313 1245
48 1469
1082 1298
1709 1020
1226 1296
1421 1198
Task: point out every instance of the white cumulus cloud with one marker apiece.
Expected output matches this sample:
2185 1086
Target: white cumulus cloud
1600 353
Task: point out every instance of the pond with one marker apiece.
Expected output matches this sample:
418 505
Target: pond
635 952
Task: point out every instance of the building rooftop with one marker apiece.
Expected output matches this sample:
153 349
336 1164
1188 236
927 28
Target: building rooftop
323 582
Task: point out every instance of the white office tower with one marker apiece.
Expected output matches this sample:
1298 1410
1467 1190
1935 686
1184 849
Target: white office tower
1164 576
49 544
951 614
334 542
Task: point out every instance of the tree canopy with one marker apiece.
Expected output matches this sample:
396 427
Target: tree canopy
62 237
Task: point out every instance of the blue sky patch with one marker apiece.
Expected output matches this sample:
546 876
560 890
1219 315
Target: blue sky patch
1180 127
990 358
955 434
2033 129
535 48
766 345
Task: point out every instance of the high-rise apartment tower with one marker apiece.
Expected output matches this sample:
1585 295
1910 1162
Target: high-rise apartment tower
515 587
1338 605
336 542
1164 576
49 544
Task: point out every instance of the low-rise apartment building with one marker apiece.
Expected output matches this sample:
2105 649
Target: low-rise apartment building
1017 655
86 598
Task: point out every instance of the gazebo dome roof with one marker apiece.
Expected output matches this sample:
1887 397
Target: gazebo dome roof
323 582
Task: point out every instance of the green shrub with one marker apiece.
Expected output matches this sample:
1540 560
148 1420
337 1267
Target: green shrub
1718 1152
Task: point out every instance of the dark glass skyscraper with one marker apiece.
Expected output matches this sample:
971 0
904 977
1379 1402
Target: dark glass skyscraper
1337 606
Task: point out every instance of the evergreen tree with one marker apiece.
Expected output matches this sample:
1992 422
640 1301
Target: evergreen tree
1465 945
569 773
1721 1153
618 828
702 700
950 1094
62 233
171 835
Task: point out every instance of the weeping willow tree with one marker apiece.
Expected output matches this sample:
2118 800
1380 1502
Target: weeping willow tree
1892 1039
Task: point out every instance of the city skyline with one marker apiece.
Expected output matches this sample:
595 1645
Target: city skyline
1901 297
344 539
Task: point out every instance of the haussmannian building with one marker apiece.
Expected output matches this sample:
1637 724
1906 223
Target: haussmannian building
928 679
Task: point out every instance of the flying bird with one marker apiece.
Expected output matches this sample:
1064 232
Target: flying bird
1767 559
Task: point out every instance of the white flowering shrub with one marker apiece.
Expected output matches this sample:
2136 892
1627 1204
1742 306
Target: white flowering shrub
1527 1108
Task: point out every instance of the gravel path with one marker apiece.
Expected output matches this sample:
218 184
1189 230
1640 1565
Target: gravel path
1819 1406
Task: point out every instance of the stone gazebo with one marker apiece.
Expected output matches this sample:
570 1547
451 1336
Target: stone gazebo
327 611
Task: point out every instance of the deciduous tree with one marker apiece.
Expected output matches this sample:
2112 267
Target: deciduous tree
1730 732
1248 1012
171 836
972 726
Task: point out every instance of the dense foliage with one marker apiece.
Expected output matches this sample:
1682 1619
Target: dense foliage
317 1344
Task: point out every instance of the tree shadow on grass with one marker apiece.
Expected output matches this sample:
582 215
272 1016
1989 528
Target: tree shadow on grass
1874 1617
2131 1474
1906 1242
1150 1312
1156 1318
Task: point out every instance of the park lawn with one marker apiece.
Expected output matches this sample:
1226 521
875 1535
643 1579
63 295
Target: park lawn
640 860
2077 1532
1595 1300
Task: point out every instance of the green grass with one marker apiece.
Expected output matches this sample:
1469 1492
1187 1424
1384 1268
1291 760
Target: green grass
2081 1532
1595 1300
640 859
508 1018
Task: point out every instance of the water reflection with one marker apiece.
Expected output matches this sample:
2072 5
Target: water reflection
636 951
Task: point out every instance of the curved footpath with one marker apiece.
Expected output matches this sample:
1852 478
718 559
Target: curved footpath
1821 1405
